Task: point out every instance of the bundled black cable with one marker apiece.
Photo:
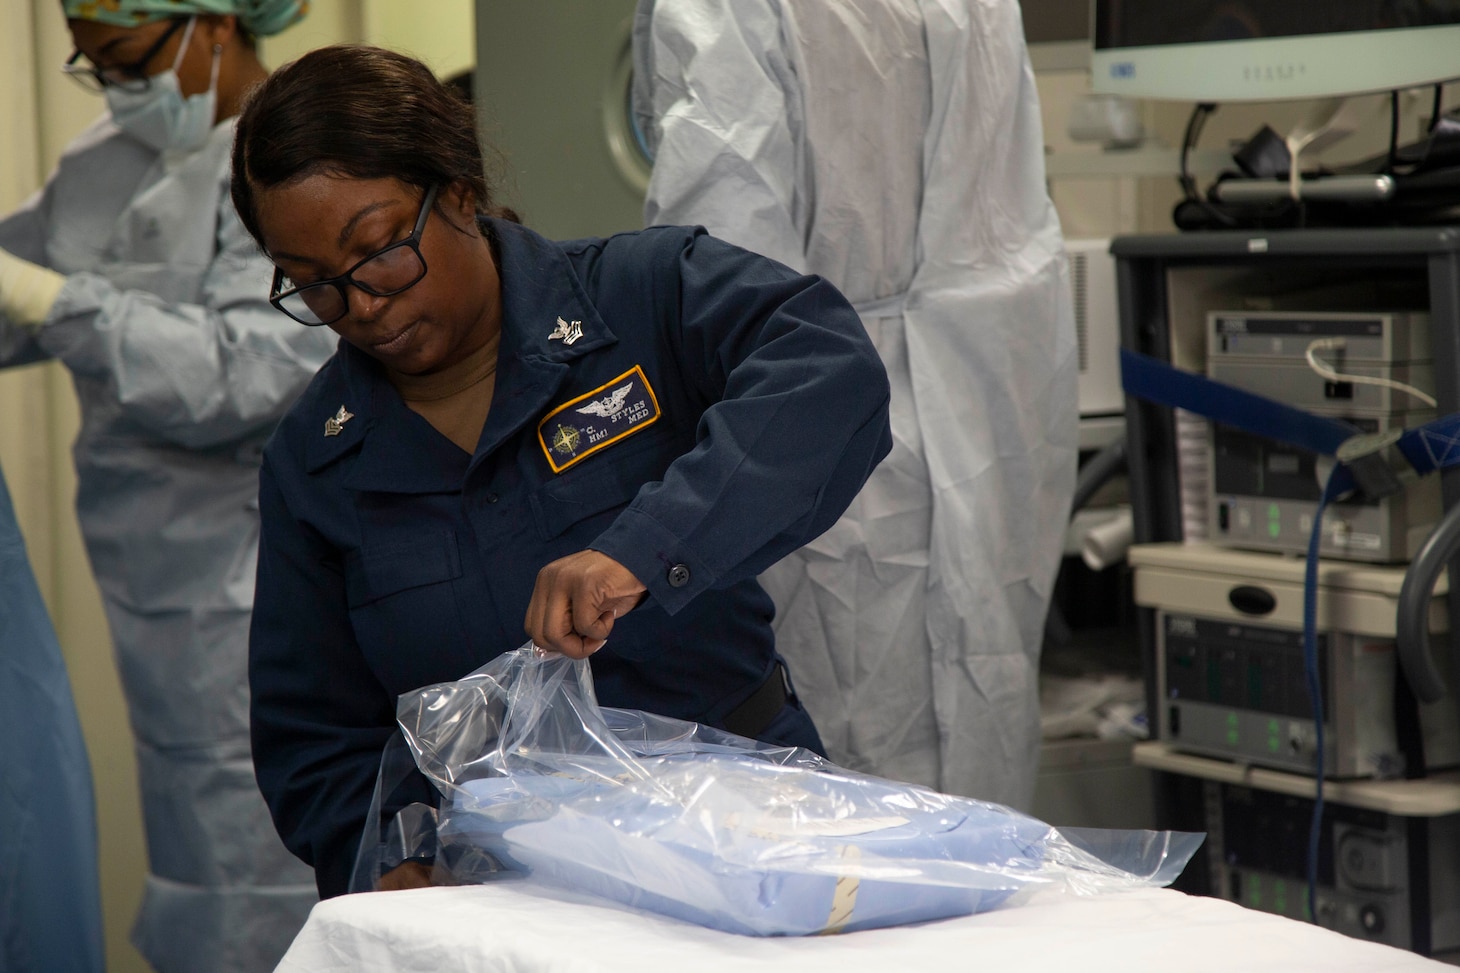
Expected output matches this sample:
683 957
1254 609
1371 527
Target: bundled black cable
1196 211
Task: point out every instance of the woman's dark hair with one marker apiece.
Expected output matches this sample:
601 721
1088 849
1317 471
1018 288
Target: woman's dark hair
361 112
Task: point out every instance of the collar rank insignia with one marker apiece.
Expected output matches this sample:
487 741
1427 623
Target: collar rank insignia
336 422
568 331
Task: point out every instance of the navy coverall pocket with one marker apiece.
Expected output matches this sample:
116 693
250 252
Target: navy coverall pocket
403 598
603 484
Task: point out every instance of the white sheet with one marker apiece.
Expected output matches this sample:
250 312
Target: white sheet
513 928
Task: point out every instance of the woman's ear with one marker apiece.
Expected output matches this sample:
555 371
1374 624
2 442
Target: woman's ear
218 28
462 200
458 202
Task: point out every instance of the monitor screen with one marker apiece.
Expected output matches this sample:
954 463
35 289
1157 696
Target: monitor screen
1243 50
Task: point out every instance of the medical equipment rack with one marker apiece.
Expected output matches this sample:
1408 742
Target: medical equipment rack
1167 285
1230 664
1388 844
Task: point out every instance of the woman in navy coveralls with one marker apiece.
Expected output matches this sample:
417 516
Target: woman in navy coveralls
656 417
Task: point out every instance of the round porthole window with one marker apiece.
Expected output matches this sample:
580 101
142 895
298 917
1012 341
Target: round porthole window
626 143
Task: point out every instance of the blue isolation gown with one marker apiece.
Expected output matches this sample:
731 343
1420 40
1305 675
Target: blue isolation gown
50 905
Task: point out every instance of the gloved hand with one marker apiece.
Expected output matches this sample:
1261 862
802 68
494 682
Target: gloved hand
27 290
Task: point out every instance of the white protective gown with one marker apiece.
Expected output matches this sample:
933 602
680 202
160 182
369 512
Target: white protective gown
182 369
894 146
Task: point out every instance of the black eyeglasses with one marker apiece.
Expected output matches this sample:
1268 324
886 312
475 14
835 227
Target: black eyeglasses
128 77
383 273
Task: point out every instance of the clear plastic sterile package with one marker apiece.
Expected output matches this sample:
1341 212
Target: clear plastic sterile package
680 819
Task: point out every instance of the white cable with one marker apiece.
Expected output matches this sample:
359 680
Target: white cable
1327 122
1337 344
1299 138
1295 172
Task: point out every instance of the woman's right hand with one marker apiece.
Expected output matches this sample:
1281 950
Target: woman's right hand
576 600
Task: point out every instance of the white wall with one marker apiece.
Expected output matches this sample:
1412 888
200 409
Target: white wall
40 112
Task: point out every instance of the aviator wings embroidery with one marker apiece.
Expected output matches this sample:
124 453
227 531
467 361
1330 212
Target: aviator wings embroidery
608 405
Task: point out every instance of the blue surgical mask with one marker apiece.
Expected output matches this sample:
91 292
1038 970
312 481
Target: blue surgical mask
160 116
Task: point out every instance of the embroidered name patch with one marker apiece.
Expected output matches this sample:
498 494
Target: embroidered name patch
581 427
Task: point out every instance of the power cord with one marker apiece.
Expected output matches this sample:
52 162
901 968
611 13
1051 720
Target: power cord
1199 115
1393 156
1311 673
1194 123
1325 370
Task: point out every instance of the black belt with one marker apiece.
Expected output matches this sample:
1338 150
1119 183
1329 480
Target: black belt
751 717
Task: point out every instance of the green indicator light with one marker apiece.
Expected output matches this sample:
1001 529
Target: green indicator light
1274 736
1274 521
1254 893
1280 898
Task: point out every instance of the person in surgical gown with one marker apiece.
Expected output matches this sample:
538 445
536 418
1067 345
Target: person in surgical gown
130 267
894 147
50 921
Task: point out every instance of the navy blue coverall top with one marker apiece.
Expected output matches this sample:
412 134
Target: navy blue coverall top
690 409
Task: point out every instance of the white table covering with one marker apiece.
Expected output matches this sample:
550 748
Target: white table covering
514 928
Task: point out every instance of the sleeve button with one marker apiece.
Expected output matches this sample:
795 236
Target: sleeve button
678 576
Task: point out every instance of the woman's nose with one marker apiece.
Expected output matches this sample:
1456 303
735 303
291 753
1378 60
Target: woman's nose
364 306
